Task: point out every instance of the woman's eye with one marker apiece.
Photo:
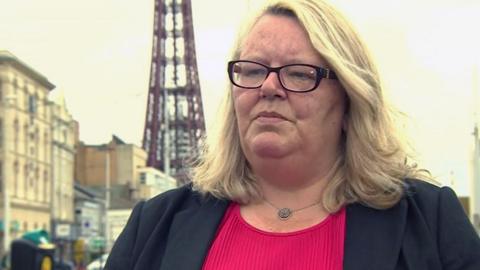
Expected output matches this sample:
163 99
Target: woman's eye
301 75
253 72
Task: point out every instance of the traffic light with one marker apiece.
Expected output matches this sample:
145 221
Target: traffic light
33 252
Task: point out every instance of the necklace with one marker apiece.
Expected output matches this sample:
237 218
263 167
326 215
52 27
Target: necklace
285 212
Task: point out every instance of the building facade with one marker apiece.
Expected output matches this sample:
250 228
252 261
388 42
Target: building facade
37 139
64 139
89 220
118 172
114 163
153 182
26 164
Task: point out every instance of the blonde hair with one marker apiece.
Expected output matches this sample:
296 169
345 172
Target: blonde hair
373 165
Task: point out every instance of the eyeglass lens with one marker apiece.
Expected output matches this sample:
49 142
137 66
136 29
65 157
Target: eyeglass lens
294 77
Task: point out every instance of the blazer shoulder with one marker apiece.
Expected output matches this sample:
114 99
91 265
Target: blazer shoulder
146 216
174 198
425 194
457 241
421 187
428 199
160 210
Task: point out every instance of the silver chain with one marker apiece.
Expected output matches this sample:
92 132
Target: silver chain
285 212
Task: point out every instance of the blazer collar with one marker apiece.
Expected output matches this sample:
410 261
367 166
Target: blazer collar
373 237
192 233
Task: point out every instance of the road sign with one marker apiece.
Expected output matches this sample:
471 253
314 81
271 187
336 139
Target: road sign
62 230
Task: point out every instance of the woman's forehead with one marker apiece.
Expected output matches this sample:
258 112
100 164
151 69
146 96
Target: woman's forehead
277 36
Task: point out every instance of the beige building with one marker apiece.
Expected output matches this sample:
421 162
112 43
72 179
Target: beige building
25 148
37 151
153 182
116 162
120 168
64 139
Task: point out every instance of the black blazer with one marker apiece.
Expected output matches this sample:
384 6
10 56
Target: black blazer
426 230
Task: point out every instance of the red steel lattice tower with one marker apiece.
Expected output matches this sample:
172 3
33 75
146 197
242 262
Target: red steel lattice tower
174 121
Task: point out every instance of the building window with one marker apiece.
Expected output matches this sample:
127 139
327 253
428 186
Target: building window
143 178
65 137
1 133
15 135
45 150
25 178
32 104
1 175
36 146
34 181
25 132
45 179
15 166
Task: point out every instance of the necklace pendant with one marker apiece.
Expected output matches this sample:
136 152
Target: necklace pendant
284 213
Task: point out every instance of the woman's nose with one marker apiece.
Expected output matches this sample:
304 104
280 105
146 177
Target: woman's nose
272 87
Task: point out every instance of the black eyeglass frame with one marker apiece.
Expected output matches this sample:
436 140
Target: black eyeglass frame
322 73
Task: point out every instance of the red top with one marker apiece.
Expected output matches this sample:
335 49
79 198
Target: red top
240 246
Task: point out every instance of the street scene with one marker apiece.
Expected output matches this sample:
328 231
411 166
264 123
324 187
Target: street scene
79 150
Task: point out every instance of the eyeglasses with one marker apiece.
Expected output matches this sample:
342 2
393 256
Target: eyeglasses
294 77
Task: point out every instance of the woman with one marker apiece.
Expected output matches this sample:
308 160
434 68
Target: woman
305 171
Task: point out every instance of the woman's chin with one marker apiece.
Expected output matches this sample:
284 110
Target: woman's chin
269 147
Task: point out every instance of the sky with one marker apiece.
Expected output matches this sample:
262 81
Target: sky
97 52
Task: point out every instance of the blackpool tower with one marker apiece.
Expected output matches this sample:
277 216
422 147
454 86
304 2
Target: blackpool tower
174 122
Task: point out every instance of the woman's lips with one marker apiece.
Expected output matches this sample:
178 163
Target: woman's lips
270 117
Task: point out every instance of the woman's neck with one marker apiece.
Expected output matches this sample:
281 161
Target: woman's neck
303 202
292 194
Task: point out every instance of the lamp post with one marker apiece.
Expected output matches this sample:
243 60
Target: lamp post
475 182
107 196
5 175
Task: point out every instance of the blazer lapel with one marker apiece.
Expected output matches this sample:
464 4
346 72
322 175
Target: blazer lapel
192 232
373 237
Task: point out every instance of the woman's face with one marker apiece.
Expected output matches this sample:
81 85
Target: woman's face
274 123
